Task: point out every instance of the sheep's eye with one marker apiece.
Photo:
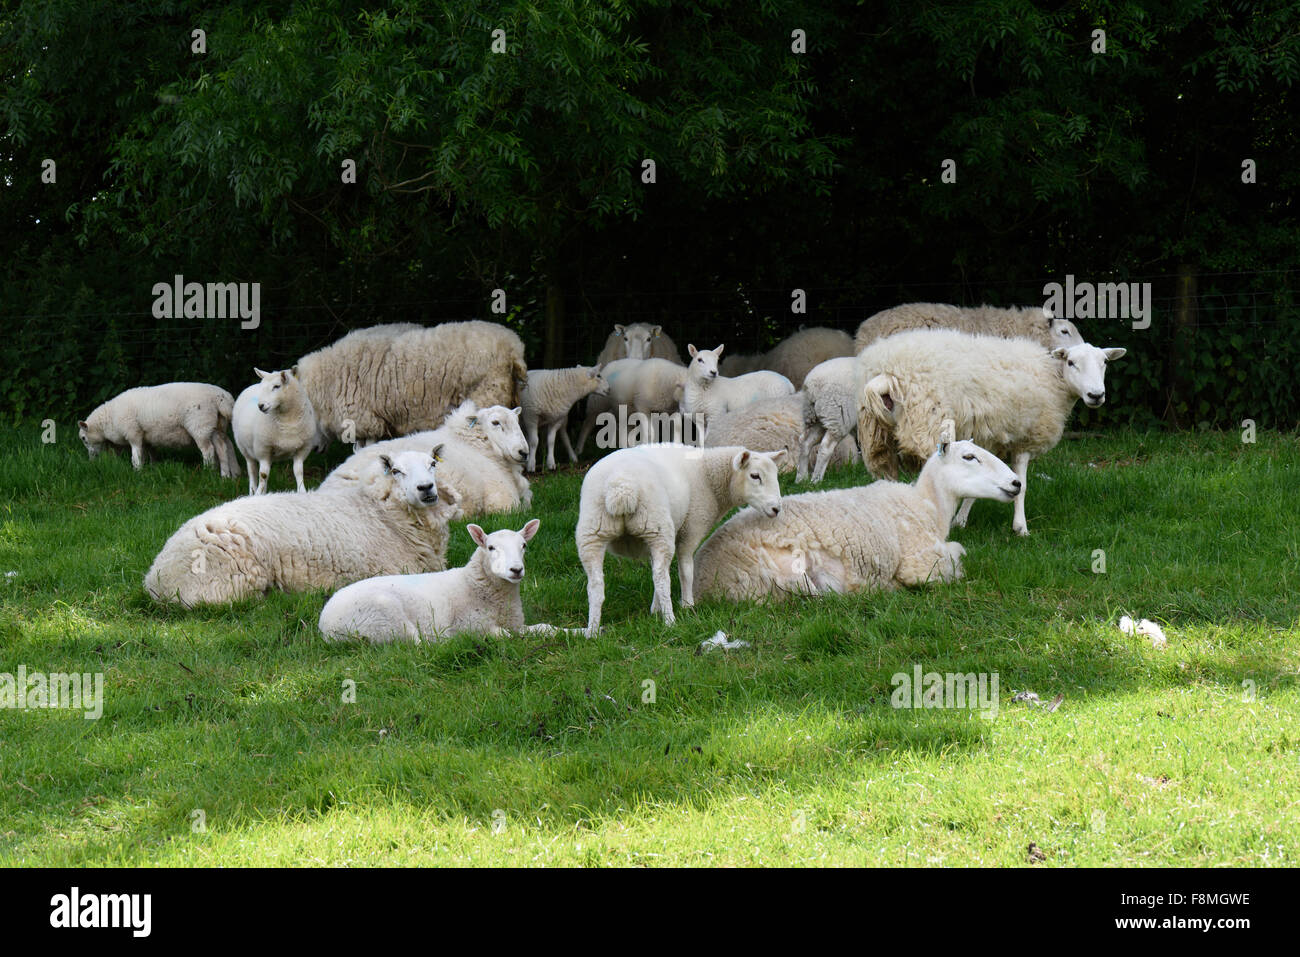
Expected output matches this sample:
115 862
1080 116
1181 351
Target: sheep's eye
492 548
755 476
969 457
397 471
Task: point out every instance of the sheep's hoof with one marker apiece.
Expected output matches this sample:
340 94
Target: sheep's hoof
1022 530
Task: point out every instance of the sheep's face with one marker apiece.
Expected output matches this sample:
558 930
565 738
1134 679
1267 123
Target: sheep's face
754 481
970 471
1062 333
596 381
704 362
638 339
1084 369
270 393
413 474
503 551
92 439
501 425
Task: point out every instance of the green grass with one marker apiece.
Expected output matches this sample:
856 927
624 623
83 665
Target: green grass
786 753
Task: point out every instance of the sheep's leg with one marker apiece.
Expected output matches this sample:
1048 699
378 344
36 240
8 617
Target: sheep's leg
297 474
206 448
593 563
805 452
963 514
568 446
550 444
686 576
530 433
263 474
137 452
661 559
1018 524
824 453
250 463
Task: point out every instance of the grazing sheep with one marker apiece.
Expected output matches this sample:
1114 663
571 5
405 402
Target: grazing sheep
1017 322
170 416
549 396
774 423
483 454
374 384
481 596
659 500
830 413
638 341
274 420
876 536
646 386
393 521
1009 395
708 394
795 355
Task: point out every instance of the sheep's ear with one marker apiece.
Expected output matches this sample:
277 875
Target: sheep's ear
1047 314
294 371
619 330
518 410
741 460
777 454
529 530
718 351
692 350
472 421
1060 353
1112 354
598 369
942 447
654 333
260 373
947 431
284 377
437 453
387 463
476 533
82 424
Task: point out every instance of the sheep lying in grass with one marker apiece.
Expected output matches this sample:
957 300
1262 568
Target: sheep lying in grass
659 500
392 522
171 416
274 420
640 340
481 596
830 414
482 458
708 394
1009 395
774 423
795 356
646 386
550 394
1017 322
876 536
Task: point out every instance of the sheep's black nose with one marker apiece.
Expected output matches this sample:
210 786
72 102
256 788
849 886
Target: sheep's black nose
424 488
1097 396
1015 483
517 570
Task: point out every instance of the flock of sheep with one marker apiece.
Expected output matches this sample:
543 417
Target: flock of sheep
445 420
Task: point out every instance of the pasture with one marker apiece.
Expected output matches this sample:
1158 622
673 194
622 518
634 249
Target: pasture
226 740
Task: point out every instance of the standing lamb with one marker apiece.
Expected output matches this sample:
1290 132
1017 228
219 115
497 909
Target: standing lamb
550 394
645 386
638 341
170 416
1009 395
876 536
659 500
708 394
392 522
274 420
481 596
1017 322
830 413
371 385
483 454
774 423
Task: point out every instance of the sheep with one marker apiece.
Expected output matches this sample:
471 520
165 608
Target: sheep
394 521
795 356
1017 322
481 596
643 386
383 382
1009 395
876 536
547 399
830 414
483 454
708 394
654 501
274 420
772 423
638 341
170 416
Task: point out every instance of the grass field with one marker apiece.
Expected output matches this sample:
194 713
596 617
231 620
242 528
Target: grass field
225 739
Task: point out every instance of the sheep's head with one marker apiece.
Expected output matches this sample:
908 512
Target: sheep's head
92 438
1084 369
1062 333
704 362
412 474
501 426
754 481
597 384
503 551
271 391
638 339
969 471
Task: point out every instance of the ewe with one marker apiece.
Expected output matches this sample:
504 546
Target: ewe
274 420
1017 322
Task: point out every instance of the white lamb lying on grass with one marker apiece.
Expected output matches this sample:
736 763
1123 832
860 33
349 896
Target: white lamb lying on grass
170 416
274 420
392 521
659 500
876 536
481 596
707 393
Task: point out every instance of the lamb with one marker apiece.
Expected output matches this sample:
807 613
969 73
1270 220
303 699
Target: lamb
638 341
876 536
274 420
1017 322
1009 395
170 416
708 394
382 382
483 454
646 386
773 423
481 596
393 521
795 356
830 414
660 499
549 396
